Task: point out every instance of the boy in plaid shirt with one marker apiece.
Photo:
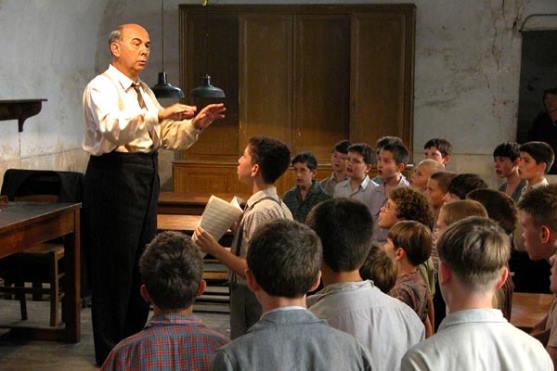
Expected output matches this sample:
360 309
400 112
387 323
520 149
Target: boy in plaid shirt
171 268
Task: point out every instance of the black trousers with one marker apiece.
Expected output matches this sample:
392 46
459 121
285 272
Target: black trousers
121 195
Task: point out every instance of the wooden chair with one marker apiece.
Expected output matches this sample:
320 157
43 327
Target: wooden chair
40 264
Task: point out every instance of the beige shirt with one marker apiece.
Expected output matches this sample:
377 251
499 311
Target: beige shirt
262 207
115 121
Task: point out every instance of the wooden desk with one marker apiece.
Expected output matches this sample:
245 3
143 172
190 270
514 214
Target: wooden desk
528 309
24 224
188 203
213 271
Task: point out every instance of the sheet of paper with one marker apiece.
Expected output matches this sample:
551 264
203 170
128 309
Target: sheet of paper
219 215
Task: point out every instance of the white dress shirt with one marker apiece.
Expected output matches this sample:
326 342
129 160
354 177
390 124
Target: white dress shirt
115 121
478 340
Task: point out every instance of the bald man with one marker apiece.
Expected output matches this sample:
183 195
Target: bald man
124 128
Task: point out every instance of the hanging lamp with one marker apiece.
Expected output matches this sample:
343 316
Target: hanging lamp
163 89
206 90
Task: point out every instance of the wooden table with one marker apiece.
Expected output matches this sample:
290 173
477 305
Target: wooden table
213 271
188 203
24 224
528 309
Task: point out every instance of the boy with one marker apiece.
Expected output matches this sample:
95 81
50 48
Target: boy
474 336
462 184
283 265
422 172
339 161
171 269
384 325
405 203
536 158
438 149
390 164
264 160
506 157
409 245
307 192
382 142
437 188
379 268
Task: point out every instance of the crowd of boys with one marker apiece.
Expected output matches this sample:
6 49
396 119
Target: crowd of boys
403 274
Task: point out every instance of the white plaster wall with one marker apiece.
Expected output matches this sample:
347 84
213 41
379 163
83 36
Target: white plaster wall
48 51
466 71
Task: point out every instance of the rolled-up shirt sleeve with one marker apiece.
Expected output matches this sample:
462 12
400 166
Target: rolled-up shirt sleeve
178 135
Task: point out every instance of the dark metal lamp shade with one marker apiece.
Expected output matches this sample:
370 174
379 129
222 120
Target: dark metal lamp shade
206 90
165 90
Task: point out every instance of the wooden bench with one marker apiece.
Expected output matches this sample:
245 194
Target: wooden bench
528 309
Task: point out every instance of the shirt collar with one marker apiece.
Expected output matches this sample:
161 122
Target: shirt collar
122 79
170 319
258 196
472 315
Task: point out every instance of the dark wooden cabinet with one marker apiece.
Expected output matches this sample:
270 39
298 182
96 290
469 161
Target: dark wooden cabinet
309 75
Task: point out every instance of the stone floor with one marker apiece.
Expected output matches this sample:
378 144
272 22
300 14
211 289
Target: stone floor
42 355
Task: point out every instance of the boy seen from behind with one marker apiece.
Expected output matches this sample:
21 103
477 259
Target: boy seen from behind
283 260
171 269
384 325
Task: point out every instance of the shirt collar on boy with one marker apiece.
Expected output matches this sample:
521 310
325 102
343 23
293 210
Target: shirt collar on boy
478 315
264 193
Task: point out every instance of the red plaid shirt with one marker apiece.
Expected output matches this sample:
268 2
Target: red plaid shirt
168 342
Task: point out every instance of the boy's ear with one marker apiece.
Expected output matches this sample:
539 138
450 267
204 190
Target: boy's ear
445 274
545 234
252 283
400 253
401 167
503 278
316 283
201 288
516 161
446 159
145 294
255 169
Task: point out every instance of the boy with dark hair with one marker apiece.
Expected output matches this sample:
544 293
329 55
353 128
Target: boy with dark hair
462 184
339 161
382 142
438 149
507 157
474 254
437 188
283 260
264 160
384 325
359 186
171 269
307 193
536 158
390 164
537 213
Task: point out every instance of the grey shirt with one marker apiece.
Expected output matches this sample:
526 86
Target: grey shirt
328 184
292 339
517 191
476 340
384 325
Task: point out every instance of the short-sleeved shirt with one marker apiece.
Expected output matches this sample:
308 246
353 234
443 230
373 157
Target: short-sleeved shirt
328 184
168 342
411 289
262 207
300 208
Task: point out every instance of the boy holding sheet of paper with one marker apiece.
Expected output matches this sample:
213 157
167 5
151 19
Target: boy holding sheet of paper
264 160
